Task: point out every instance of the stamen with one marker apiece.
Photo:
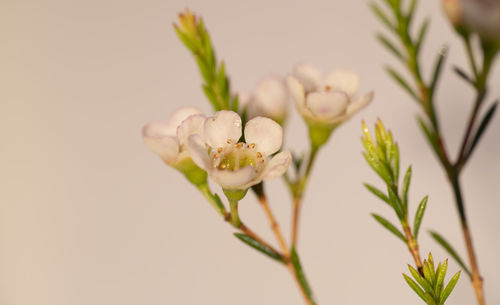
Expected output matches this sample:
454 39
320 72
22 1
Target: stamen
223 166
219 150
259 155
229 141
252 145
216 156
328 88
239 145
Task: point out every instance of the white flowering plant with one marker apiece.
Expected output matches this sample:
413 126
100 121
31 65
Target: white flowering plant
240 145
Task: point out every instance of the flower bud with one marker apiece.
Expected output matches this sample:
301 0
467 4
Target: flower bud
189 23
270 99
325 102
475 16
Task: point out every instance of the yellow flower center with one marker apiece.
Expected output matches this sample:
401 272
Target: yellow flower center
235 156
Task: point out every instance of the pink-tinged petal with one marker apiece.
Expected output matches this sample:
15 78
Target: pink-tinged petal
199 151
342 80
165 146
239 179
327 105
278 165
271 96
224 126
177 117
308 76
359 103
190 126
266 134
296 90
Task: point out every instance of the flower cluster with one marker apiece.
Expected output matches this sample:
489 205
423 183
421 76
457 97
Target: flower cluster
191 142
237 158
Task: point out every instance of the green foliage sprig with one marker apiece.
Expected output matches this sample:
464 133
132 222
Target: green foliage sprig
382 154
430 286
217 88
399 21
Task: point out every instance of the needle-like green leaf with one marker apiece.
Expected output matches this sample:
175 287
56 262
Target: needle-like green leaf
421 34
449 288
259 246
463 75
440 240
438 67
382 16
375 191
482 127
402 82
411 10
378 168
406 187
389 226
415 287
430 299
441 272
395 202
421 281
429 273
390 46
300 273
419 215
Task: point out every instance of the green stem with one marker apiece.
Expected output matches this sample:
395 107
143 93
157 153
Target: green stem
298 193
312 157
477 281
212 199
235 217
470 56
480 84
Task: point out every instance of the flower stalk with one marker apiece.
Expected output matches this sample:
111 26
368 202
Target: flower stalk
259 190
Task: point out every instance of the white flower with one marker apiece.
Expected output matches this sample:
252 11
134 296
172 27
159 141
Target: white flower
169 139
270 99
480 16
237 165
327 101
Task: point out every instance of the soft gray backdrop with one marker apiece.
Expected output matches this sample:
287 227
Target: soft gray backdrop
89 217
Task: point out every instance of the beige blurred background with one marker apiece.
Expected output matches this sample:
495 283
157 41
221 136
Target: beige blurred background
88 216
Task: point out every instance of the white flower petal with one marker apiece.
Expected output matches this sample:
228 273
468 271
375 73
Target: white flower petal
223 126
177 117
239 179
265 133
327 105
278 165
359 103
165 146
296 90
271 97
308 76
190 126
343 80
198 151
